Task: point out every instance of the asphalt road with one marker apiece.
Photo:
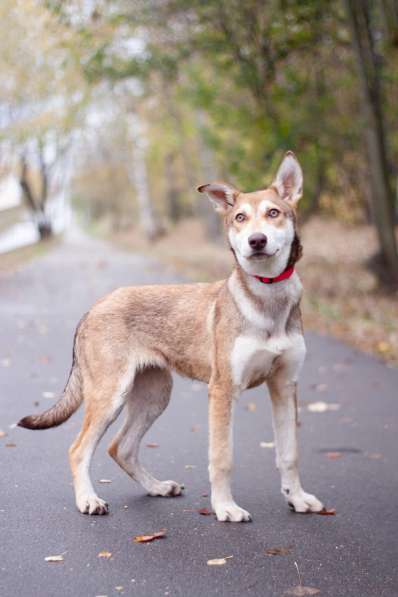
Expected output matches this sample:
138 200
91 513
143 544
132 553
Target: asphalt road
348 459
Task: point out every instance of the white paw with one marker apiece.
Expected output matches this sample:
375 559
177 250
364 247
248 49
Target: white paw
304 502
231 512
166 489
91 504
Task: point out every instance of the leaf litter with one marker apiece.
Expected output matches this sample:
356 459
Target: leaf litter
219 561
106 555
278 551
58 558
148 538
322 407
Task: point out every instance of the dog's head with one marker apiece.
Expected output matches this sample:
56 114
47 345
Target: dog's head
261 226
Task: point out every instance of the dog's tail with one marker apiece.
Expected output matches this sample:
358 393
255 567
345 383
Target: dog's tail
68 403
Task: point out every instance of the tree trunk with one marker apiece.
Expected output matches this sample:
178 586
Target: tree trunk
382 196
43 223
174 207
137 172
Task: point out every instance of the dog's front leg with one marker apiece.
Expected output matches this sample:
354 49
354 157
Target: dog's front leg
284 407
220 453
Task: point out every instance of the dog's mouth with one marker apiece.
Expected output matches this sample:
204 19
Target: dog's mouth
259 255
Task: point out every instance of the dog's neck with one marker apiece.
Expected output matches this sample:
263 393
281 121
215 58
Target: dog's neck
255 299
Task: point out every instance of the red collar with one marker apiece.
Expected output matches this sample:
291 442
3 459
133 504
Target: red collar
283 276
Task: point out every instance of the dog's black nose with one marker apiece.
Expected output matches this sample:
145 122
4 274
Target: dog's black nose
257 241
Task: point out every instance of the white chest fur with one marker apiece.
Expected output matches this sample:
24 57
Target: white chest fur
252 357
265 338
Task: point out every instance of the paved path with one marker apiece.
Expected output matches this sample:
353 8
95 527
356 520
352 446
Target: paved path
354 553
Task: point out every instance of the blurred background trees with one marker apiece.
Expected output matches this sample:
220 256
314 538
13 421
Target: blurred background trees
153 97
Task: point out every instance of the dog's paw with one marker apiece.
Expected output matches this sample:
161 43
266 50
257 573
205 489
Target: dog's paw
231 512
91 504
166 489
303 502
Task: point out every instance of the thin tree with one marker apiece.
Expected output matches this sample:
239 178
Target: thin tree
382 197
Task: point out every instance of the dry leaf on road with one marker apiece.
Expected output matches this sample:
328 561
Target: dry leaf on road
334 455
204 511
322 407
251 407
105 554
59 558
104 481
267 445
278 551
48 395
327 512
149 538
218 561
152 445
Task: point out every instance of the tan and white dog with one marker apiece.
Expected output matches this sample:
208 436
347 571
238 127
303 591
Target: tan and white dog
233 334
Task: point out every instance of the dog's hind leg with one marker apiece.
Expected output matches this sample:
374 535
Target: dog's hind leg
147 400
103 407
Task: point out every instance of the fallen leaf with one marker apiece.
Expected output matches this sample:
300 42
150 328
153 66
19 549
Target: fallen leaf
267 445
104 481
327 512
334 455
54 559
11 445
48 394
189 466
105 554
322 407
152 445
218 561
148 538
251 407
204 511
195 428
119 588
44 359
205 495
278 551
383 347
2 433
301 591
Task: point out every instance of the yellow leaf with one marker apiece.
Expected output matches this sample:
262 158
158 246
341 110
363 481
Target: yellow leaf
105 554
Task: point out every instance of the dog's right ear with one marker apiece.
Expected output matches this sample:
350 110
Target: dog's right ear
221 195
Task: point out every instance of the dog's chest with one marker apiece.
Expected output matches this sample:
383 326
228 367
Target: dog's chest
253 356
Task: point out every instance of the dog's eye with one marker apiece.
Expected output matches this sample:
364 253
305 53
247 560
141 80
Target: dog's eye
240 217
274 213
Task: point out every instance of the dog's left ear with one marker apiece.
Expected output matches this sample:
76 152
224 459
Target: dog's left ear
289 179
221 195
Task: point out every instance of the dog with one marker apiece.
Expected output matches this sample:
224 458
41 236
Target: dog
233 334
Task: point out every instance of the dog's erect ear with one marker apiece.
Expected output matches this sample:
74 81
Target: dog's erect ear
289 179
221 194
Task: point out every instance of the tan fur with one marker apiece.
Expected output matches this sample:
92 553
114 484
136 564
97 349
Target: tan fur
128 343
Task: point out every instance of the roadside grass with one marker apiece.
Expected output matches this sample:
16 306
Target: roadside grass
15 259
341 297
